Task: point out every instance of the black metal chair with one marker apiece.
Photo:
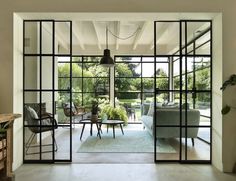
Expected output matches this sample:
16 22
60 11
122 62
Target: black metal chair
39 125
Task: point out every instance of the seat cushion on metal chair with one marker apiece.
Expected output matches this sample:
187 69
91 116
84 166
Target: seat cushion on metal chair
32 112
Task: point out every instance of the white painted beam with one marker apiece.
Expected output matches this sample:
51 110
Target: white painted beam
118 34
97 35
76 29
139 34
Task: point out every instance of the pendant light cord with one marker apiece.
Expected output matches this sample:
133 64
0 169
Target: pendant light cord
122 38
106 37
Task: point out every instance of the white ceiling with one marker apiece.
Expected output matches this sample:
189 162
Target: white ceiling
89 31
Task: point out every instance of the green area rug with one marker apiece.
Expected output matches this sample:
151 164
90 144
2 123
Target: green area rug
132 142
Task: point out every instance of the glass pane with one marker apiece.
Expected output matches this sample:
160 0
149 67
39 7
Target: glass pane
47 72
76 59
88 98
201 148
148 59
61 99
47 37
162 69
31 147
62 37
148 70
203 103
95 59
77 84
194 29
62 138
167 143
92 70
31 72
203 45
148 84
31 37
203 79
128 59
162 83
128 97
128 84
128 70
63 83
77 70
99 85
167 38
31 97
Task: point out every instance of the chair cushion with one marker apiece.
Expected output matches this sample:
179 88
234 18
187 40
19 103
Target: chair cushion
32 112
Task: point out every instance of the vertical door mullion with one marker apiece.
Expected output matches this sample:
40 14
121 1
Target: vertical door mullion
70 22
154 113
211 92
53 89
180 95
40 89
23 90
186 90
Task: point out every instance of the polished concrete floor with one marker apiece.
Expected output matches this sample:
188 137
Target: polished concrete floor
120 172
201 150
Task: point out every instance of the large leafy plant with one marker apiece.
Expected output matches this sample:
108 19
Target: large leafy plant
117 112
230 82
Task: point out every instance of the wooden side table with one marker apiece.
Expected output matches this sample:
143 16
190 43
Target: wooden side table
7 148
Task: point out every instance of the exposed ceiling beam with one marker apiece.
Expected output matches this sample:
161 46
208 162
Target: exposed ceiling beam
139 35
97 35
118 34
76 31
164 30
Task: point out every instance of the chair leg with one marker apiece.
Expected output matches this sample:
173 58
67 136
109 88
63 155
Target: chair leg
31 138
28 143
192 141
55 142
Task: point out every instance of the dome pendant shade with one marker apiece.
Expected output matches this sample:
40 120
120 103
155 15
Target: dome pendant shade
106 60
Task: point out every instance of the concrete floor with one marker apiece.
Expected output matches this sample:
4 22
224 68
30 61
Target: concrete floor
118 172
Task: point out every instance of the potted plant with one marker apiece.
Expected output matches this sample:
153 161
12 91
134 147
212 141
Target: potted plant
94 111
117 112
230 82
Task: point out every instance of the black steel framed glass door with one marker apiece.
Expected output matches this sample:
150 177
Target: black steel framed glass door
44 41
183 105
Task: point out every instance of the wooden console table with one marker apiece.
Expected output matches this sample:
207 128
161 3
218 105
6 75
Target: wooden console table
6 146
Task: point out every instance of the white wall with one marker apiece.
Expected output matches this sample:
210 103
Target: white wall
216 92
18 92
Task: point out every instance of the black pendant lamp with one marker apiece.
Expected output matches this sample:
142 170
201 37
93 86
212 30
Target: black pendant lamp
106 60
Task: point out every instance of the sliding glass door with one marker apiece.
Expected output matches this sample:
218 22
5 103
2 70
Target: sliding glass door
183 113
45 41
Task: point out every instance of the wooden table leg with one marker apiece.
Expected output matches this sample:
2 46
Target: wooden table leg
9 151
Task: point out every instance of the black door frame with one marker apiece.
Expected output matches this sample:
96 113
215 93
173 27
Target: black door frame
39 54
183 93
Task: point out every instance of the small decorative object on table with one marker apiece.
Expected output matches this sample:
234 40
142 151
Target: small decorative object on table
94 112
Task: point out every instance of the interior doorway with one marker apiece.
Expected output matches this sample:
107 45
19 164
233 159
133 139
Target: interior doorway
65 73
